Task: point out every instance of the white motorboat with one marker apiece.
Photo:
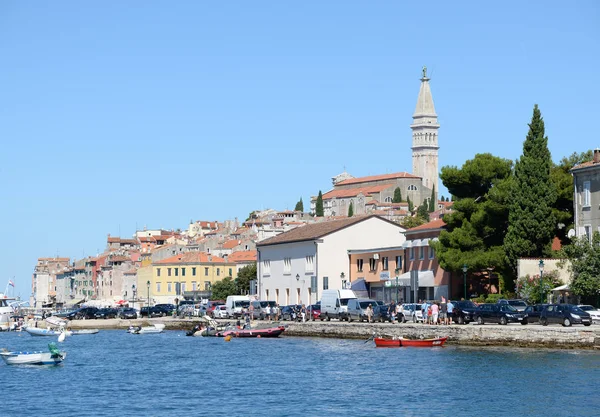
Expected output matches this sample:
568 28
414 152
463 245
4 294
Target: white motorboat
156 328
53 357
36 331
84 331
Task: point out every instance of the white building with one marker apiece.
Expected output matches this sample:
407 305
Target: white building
296 266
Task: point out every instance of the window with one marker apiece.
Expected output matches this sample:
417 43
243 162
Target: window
193 271
169 271
372 264
287 296
384 263
287 265
412 187
325 283
412 254
158 272
169 286
176 272
182 288
359 265
206 272
194 286
422 252
388 199
309 264
158 287
230 274
206 285
183 272
588 232
431 253
266 267
586 194
298 301
399 262
218 271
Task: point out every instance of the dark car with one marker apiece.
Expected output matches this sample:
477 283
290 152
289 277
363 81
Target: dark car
127 313
152 312
83 313
291 312
381 313
106 313
463 311
533 312
314 312
167 308
565 314
519 305
499 313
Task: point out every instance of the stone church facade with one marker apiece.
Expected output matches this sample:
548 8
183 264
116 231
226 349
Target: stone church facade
417 186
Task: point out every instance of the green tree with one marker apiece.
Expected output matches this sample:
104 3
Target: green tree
534 290
245 275
423 212
442 199
475 228
351 210
584 267
224 288
411 206
412 221
432 202
319 205
397 195
563 182
531 223
299 206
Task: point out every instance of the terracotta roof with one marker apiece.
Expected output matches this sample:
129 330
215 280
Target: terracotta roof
243 256
55 259
390 212
317 230
113 239
353 192
192 257
230 244
131 272
434 224
585 165
446 204
119 258
556 245
377 178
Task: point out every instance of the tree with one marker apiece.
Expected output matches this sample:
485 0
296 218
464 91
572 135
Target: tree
351 209
397 195
531 222
410 204
299 206
224 288
409 222
423 212
584 267
442 199
563 182
432 201
533 289
319 205
245 275
475 228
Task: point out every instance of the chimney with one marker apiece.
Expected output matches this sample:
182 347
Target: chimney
596 155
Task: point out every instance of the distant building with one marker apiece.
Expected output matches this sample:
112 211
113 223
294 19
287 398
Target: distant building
586 201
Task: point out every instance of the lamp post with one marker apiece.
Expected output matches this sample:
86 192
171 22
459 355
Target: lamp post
133 293
542 281
342 276
397 272
148 285
465 268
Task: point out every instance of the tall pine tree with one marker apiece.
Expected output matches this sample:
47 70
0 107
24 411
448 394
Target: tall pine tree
410 205
319 205
397 196
351 210
531 223
432 202
299 205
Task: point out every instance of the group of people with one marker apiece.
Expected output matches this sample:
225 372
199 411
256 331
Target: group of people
437 312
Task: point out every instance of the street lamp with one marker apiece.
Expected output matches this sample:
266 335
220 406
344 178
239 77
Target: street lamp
542 281
148 285
342 276
465 268
397 272
133 292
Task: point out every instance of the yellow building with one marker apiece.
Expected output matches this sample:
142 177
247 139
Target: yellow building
186 273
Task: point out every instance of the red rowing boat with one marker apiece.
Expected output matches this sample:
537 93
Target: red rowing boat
383 342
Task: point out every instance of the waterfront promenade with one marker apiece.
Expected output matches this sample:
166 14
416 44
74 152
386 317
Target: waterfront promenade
531 335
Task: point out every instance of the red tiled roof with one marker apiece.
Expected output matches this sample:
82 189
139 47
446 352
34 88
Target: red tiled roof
446 204
434 224
230 244
585 165
192 257
317 230
377 178
131 272
119 258
243 256
353 192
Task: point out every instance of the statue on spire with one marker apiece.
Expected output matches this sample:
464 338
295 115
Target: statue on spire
424 71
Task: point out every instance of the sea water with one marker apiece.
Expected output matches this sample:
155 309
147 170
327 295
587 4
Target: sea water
114 373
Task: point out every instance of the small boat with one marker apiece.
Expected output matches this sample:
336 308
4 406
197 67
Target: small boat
84 331
36 331
400 342
266 332
156 328
53 357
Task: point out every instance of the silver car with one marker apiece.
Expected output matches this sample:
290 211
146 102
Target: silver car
411 311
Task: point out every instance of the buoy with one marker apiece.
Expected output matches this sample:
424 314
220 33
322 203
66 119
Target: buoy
227 338
62 337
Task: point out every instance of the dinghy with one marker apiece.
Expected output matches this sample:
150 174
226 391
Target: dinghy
53 357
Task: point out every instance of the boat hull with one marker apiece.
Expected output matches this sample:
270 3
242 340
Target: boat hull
35 331
32 358
383 342
157 328
84 331
268 332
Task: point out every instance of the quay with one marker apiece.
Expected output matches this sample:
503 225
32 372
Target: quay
532 335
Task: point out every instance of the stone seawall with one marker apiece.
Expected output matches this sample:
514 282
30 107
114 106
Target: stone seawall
533 335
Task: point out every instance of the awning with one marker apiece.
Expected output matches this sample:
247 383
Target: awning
425 279
561 288
358 285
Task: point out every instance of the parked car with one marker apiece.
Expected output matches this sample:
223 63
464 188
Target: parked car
220 312
463 311
186 310
82 313
411 311
106 313
519 305
314 311
592 311
499 313
357 308
127 313
381 313
291 312
565 314
533 312
167 308
259 310
152 312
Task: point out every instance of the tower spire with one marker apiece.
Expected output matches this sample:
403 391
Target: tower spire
425 137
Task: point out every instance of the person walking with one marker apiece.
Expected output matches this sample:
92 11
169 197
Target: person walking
392 311
268 312
303 313
370 313
276 312
435 311
424 312
450 308
443 312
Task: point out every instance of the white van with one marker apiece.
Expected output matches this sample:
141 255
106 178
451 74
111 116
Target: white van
334 304
235 304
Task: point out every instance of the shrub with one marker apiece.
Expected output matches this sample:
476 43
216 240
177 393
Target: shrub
493 298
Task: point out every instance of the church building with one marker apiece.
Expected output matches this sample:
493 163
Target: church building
417 186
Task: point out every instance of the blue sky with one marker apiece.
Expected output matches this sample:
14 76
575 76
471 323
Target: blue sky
115 115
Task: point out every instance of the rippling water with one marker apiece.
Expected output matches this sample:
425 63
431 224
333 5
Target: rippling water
114 373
